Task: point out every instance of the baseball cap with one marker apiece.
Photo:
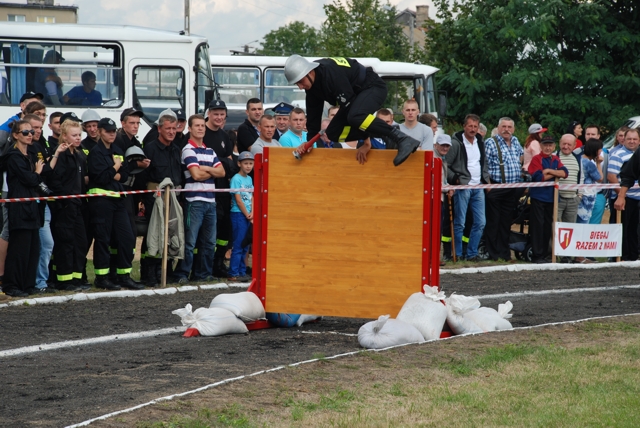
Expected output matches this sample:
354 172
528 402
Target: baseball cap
548 139
217 105
245 156
70 115
443 140
536 128
130 112
31 94
282 109
107 124
167 112
180 114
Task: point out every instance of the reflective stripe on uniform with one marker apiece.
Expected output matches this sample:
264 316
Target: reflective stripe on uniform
101 271
446 239
366 122
65 277
97 191
341 61
77 275
465 239
123 271
345 134
222 242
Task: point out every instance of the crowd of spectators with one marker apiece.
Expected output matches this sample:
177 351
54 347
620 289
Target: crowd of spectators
197 155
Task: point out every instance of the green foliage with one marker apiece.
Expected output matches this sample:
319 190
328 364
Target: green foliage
355 28
550 61
295 38
363 28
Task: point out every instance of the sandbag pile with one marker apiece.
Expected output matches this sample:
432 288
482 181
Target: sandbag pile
464 315
425 312
386 332
227 314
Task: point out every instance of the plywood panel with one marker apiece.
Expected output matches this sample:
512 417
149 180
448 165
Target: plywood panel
344 239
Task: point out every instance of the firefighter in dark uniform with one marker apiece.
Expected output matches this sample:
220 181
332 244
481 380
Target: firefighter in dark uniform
166 161
107 173
90 119
359 92
67 223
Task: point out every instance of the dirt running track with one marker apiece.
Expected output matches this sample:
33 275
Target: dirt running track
62 387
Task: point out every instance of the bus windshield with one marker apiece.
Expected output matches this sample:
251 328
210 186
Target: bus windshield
204 80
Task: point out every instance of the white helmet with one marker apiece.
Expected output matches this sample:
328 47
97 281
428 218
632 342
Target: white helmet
134 153
90 116
296 68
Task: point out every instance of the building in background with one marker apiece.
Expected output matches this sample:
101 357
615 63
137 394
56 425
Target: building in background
43 11
413 24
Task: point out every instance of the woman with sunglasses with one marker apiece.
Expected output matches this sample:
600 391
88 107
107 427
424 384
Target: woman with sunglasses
25 220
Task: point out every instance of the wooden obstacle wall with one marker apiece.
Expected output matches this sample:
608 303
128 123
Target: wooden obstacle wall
336 238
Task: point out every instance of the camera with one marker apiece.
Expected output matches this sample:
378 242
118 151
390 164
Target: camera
44 190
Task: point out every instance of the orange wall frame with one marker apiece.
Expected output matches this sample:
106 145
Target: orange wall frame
336 238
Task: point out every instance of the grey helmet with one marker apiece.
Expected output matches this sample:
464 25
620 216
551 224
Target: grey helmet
90 116
134 153
297 67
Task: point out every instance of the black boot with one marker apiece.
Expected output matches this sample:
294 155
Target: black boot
406 145
219 268
152 279
126 282
102 281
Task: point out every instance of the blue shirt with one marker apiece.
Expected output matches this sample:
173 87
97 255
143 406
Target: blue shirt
289 139
617 159
378 143
240 182
510 157
78 96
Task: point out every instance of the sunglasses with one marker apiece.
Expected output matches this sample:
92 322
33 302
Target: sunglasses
27 132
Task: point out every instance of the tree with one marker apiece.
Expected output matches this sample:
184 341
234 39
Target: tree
551 61
363 28
295 38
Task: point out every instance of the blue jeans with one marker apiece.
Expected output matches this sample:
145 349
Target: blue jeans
200 221
239 228
46 248
474 200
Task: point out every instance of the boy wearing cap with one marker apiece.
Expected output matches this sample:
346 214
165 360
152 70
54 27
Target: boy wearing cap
545 166
241 217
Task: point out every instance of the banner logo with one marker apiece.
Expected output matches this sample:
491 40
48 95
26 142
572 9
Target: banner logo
564 237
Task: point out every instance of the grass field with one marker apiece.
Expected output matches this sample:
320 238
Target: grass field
585 374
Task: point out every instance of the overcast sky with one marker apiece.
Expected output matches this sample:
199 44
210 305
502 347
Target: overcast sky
228 24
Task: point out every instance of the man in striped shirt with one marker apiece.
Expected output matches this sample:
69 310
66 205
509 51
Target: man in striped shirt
628 198
201 166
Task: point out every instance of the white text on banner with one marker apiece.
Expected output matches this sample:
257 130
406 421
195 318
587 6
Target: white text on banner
588 240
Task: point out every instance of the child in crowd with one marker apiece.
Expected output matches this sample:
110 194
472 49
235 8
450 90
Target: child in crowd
241 217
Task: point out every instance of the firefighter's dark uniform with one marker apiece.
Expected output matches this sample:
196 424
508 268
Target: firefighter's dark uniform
87 144
166 161
67 222
109 213
359 92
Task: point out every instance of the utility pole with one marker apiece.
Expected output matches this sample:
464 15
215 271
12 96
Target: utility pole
187 17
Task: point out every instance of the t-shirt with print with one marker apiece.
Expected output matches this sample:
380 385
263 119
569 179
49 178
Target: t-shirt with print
240 182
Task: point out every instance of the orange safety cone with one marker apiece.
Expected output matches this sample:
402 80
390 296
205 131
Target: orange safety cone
191 332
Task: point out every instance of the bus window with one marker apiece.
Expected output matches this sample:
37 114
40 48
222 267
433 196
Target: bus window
277 89
157 89
431 95
66 74
203 76
398 91
237 85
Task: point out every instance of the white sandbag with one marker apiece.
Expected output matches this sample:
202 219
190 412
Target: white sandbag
457 307
245 305
211 321
307 318
425 312
488 319
387 332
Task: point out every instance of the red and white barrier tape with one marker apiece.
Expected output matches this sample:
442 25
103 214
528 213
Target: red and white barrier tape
130 192
536 184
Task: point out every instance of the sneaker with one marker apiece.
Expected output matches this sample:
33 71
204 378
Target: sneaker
211 278
102 281
182 281
36 291
15 292
126 282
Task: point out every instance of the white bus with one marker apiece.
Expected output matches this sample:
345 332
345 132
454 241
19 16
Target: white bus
144 68
240 78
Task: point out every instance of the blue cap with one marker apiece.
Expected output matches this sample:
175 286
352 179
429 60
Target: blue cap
245 156
283 109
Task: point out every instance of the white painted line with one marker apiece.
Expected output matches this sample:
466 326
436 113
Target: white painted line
120 294
330 332
346 354
557 291
519 267
91 341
